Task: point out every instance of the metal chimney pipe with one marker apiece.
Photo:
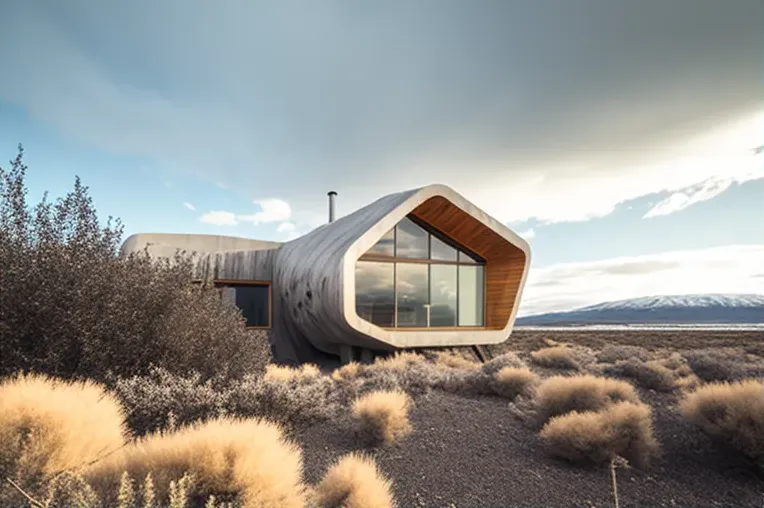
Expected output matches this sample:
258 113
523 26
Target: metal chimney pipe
331 195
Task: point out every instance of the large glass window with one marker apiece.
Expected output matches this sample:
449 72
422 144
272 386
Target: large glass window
443 290
416 278
471 280
411 241
412 288
385 246
375 292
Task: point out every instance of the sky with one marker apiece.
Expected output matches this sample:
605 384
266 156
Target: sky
619 138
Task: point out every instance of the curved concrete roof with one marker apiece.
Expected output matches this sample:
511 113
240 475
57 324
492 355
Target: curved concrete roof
167 244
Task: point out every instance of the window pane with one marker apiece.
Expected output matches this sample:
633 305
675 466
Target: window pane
385 246
471 281
411 240
374 292
443 295
441 250
412 294
253 302
466 258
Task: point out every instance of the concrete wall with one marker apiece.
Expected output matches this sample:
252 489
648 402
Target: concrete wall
167 244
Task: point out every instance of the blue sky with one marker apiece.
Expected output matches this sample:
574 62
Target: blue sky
620 143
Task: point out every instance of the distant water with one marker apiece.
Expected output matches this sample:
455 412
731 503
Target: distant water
743 327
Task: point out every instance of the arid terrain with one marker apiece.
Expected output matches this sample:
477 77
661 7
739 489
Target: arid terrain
471 451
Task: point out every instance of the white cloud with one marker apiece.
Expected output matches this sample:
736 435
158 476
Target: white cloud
271 210
286 227
527 235
731 269
189 206
740 170
219 218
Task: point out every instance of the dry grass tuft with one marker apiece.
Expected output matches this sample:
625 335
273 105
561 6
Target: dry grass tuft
651 375
382 416
347 372
556 357
455 361
623 429
510 382
718 364
730 412
612 353
250 459
558 395
354 481
49 425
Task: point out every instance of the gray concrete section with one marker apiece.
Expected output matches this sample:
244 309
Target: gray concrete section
167 244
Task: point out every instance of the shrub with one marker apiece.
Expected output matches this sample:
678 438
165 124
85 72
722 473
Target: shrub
612 353
71 306
354 482
510 382
455 361
732 413
491 367
247 459
347 372
650 375
560 394
557 357
717 364
160 400
48 426
382 416
623 429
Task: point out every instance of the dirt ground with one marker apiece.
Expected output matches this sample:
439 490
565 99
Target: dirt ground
473 451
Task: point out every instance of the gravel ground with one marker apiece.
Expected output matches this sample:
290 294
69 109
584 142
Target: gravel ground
473 452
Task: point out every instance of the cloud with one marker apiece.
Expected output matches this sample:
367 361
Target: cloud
528 108
733 269
739 170
286 227
530 233
189 206
220 218
271 210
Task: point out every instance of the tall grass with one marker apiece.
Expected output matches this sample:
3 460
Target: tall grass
48 426
248 459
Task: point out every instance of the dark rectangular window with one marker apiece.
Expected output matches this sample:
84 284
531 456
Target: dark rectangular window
253 299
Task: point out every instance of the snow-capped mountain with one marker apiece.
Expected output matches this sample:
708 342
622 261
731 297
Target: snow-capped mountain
674 309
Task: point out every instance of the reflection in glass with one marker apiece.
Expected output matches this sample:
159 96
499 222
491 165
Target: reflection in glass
375 293
253 302
466 258
440 250
385 246
411 240
471 295
412 294
443 295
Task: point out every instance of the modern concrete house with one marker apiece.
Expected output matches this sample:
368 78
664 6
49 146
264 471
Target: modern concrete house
421 268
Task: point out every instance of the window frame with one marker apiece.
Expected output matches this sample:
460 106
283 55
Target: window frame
222 283
394 259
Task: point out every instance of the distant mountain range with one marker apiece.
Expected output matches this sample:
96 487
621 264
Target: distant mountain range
679 309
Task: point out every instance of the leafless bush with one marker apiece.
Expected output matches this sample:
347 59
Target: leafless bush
650 375
612 353
622 429
730 412
560 394
71 306
354 481
716 364
382 416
